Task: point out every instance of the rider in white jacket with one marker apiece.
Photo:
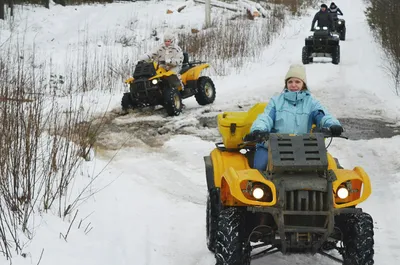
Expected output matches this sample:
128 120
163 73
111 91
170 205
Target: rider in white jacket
169 53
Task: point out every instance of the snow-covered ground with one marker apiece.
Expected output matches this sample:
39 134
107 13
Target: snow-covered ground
151 205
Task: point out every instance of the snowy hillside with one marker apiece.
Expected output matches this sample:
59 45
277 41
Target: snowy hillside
148 203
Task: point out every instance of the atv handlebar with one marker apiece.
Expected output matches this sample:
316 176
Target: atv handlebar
164 63
251 138
327 133
197 62
258 138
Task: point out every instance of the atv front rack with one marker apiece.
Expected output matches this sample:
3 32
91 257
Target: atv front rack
305 152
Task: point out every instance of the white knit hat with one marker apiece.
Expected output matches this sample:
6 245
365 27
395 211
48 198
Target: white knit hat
298 71
169 36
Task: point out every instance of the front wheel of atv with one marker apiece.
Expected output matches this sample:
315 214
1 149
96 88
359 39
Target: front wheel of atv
205 91
127 102
304 56
172 101
231 247
211 222
342 35
336 55
358 238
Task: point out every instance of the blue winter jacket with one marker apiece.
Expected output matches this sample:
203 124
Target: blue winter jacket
293 112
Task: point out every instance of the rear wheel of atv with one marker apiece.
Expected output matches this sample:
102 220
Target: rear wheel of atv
211 222
205 91
127 102
336 55
304 55
358 238
231 248
172 101
342 35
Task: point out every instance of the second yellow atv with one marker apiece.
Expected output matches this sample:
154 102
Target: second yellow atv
305 202
153 85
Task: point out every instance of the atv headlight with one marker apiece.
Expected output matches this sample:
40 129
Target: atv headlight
325 28
342 193
340 22
154 81
317 28
258 193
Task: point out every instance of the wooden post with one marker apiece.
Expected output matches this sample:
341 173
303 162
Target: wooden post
208 13
11 6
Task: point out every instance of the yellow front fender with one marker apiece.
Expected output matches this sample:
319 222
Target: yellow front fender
129 80
359 179
223 160
194 73
162 74
233 182
331 162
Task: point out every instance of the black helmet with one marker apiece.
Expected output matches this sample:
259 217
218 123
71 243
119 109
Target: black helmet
333 4
323 5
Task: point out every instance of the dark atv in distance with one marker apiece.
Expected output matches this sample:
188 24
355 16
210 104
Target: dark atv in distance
153 85
321 44
340 28
304 202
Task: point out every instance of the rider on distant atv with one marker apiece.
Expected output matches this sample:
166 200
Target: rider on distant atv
334 10
169 55
324 19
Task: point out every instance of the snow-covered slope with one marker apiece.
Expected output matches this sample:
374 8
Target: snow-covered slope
152 207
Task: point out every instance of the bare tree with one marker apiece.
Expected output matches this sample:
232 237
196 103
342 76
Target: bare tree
383 19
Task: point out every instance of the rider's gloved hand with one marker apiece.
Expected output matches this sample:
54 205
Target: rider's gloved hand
336 130
257 136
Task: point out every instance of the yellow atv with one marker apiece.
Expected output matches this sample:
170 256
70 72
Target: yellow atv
305 202
153 85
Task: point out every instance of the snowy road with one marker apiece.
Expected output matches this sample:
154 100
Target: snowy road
153 212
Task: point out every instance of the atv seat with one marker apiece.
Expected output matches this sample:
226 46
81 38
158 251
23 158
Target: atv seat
185 64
